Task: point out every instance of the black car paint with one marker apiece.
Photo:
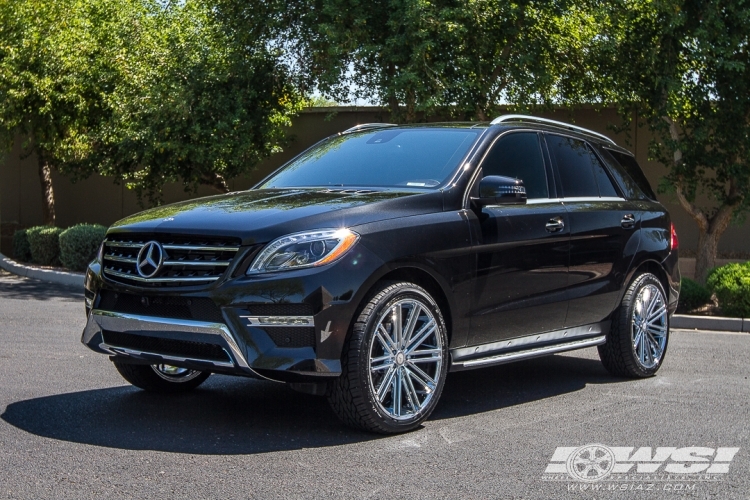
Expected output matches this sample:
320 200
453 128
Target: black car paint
479 262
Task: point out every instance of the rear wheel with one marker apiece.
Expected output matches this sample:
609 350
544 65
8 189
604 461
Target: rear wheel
161 378
395 362
637 341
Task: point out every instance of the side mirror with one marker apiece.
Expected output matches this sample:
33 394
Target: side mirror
499 190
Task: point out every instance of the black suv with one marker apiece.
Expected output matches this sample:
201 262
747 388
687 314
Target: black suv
383 257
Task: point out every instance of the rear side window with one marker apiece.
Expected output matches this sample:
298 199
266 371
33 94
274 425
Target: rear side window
581 172
634 171
628 186
575 163
606 188
519 155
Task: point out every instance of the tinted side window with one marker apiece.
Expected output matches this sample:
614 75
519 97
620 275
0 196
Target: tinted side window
602 178
634 171
626 183
519 155
575 163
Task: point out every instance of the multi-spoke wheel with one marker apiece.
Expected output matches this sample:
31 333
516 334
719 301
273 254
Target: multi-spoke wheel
161 378
649 326
395 364
637 341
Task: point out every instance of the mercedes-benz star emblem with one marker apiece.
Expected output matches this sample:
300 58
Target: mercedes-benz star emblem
150 259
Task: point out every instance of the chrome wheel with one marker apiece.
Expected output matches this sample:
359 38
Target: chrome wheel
405 358
649 326
175 373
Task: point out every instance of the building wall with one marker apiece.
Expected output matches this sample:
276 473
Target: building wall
100 200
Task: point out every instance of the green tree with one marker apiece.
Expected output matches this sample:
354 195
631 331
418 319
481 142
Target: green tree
684 67
457 58
146 91
52 82
198 102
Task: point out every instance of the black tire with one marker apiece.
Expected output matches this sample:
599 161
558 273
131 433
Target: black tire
353 396
146 378
618 354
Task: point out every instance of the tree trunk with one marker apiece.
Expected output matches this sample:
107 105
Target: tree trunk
708 241
48 195
711 228
708 244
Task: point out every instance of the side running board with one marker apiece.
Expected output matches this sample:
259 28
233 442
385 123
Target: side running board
534 352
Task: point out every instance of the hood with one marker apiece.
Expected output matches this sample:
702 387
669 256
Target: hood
260 215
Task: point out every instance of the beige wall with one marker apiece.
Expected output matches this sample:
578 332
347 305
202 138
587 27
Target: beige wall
99 200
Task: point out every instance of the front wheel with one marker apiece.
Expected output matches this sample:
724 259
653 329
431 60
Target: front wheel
637 341
161 378
395 363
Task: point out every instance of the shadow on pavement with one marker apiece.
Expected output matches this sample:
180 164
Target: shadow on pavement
16 287
240 416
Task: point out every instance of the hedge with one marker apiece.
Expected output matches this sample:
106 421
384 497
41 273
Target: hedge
79 244
44 244
731 284
21 248
693 294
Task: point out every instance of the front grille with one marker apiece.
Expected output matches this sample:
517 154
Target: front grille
195 308
291 336
169 347
186 260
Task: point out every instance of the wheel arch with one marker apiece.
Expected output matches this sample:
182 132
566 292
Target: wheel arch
415 273
650 266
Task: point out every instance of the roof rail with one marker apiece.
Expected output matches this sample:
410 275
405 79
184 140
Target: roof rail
366 126
509 118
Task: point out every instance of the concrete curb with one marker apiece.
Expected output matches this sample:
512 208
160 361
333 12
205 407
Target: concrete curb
716 323
48 275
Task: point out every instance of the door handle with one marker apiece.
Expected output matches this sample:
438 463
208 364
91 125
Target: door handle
628 221
555 224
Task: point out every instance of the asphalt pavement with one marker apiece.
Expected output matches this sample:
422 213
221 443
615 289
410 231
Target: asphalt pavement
70 427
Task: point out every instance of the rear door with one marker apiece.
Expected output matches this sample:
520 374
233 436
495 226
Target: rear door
602 225
521 250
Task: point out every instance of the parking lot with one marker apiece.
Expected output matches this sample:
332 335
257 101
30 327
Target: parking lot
70 427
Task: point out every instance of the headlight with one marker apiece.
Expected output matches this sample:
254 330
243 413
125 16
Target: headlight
308 249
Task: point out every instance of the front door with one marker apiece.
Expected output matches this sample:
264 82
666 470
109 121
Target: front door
521 250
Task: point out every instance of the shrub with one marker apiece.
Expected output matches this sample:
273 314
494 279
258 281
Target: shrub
44 244
21 249
78 245
693 294
731 284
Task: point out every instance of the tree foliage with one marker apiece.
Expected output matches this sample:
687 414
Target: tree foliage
146 91
53 81
457 58
197 102
684 67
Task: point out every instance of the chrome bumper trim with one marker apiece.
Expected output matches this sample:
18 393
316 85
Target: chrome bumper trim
134 323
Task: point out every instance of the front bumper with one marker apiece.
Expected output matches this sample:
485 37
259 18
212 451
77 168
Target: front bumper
105 329
278 343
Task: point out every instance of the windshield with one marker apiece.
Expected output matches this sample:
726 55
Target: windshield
413 158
